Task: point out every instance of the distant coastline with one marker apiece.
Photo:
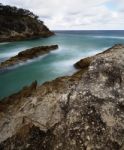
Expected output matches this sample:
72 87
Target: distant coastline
20 24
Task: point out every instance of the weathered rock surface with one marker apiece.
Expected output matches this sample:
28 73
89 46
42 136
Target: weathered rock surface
84 63
19 24
81 112
26 55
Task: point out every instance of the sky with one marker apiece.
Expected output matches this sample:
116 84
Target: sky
76 14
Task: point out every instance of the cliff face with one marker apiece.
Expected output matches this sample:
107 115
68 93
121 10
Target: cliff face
19 24
81 112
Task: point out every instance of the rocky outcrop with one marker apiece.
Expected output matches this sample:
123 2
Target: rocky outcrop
81 112
19 24
84 63
26 55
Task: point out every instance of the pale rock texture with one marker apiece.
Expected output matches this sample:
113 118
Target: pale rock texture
81 112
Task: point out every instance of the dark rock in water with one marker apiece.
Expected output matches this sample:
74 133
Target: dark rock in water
84 111
19 24
26 55
85 62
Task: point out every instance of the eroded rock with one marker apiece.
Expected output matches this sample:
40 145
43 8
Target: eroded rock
26 55
80 112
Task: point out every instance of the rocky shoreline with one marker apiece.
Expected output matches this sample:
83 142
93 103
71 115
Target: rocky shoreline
86 109
20 24
84 63
25 36
26 55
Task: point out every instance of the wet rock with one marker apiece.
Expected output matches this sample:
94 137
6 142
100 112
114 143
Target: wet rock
83 63
26 55
79 112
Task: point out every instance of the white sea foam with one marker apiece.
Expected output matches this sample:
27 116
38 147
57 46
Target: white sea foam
72 61
65 63
4 43
8 54
24 63
110 37
59 50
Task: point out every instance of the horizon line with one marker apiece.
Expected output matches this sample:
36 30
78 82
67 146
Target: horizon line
88 30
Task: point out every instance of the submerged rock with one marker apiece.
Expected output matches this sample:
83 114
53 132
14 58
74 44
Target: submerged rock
26 55
19 24
80 112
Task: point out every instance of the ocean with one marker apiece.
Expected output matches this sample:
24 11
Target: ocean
73 46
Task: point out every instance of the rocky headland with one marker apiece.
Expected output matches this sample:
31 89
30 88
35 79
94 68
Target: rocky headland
26 55
84 111
20 24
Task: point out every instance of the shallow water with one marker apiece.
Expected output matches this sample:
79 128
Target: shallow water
73 45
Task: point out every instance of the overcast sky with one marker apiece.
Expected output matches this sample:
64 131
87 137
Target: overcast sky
76 14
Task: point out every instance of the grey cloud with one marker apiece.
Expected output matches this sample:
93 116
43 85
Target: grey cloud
45 17
73 14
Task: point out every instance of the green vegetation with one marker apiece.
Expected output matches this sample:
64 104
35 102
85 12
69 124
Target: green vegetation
14 11
17 24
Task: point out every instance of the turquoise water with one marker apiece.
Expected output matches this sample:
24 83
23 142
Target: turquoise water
73 45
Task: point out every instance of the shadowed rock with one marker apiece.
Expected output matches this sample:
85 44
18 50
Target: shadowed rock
26 55
79 112
20 24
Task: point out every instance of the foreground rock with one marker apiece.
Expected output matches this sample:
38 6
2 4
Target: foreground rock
26 55
81 112
19 24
